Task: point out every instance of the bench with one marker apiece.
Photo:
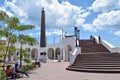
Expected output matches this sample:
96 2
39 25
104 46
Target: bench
18 75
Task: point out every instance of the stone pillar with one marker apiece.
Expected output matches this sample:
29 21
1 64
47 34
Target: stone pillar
43 31
54 55
58 58
64 56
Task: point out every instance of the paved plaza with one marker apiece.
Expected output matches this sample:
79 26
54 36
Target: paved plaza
57 71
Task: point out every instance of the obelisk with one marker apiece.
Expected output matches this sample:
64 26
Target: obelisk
43 29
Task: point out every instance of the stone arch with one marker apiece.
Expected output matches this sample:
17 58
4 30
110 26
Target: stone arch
57 52
69 50
50 53
34 54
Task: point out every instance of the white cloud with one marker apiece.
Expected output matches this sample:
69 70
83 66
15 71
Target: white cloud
108 16
117 33
27 11
89 27
54 32
63 15
16 9
58 15
110 19
4 9
105 5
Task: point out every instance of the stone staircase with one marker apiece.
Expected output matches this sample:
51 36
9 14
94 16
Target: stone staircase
96 58
88 46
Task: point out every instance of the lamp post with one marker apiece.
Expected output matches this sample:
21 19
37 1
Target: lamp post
75 30
77 35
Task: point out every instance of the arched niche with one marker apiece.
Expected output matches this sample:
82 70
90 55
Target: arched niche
34 54
50 53
57 52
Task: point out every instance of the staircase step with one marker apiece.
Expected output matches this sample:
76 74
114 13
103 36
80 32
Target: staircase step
97 61
95 70
96 58
97 66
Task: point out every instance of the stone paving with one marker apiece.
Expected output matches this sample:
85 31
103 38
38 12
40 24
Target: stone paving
57 71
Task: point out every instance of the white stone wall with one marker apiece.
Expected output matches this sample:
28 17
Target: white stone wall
63 47
74 54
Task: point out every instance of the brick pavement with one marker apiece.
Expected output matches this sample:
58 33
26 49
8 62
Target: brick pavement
57 71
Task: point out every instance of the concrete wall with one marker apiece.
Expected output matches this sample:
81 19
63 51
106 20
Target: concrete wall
64 53
74 55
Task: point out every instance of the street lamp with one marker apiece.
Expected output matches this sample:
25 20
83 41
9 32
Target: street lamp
77 32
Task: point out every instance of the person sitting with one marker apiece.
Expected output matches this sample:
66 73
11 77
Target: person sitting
17 70
38 64
10 73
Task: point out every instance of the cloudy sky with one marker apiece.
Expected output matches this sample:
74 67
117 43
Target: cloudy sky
92 17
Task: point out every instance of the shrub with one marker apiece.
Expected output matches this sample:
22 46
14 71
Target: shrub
2 75
27 60
28 67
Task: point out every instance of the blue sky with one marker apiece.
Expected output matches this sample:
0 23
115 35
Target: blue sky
92 17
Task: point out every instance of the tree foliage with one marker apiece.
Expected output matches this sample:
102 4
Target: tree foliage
10 27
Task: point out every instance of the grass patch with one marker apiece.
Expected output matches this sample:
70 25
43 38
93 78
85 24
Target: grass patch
28 67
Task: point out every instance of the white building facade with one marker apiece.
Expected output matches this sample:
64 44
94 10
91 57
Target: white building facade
60 52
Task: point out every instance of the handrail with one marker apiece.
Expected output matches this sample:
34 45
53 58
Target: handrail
73 55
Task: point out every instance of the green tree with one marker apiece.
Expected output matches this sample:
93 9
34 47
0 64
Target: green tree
23 39
9 26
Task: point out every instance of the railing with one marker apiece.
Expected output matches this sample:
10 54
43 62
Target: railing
111 48
74 54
